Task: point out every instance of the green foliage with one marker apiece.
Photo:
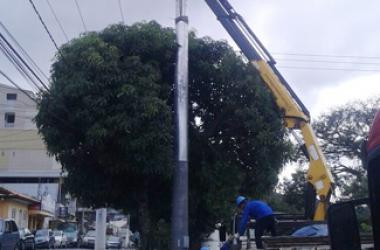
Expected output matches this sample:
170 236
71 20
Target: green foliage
107 119
341 133
238 145
294 191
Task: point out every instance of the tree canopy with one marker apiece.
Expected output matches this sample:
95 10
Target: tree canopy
341 133
108 119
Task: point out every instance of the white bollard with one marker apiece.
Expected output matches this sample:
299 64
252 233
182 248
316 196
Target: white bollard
100 240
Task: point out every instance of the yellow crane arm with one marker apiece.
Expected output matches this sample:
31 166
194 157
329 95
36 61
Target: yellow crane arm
295 114
318 174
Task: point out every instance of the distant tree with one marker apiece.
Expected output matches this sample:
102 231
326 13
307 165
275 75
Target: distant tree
107 119
341 133
294 191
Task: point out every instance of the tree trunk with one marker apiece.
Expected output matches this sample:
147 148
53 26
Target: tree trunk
144 219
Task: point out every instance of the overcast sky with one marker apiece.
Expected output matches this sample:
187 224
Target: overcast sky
347 29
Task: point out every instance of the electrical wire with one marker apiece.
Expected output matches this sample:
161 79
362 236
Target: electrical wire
44 25
15 107
19 69
121 12
35 101
329 69
326 61
325 55
23 62
17 86
57 20
81 16
23 51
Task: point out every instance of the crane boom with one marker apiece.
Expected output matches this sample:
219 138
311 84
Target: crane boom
295 114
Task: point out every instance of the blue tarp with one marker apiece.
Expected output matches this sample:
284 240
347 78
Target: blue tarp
312 230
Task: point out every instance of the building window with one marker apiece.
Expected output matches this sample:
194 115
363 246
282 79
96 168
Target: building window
9 118
19 219
13 213
11 96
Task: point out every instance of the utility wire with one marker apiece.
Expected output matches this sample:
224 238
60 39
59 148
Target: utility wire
121 12
25 54
57 20
17 86
19 68
23 61
325 55
326 61
81 16
35 101
43 24
326 68
16 107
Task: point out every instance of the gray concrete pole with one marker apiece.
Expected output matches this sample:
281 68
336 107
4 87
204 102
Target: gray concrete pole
179 223
101 219
82 224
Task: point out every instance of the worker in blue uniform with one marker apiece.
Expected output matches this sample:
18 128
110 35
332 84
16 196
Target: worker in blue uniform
259 211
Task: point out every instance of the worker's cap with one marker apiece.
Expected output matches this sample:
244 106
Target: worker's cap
239 200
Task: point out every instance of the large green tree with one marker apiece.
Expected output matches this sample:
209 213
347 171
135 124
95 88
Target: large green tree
107 119
341 133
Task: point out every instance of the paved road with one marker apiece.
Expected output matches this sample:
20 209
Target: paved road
84 249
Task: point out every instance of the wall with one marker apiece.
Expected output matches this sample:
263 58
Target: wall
22 151
35 190
23 106
16 211
25 166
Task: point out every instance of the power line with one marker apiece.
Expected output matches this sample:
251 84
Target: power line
121 12
16 107
326 68
81 16
327 61
43 24
35 101
17 86
25 54
23 62
325 55
20 68
57 20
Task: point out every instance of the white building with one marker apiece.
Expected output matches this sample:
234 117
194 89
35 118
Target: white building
25 166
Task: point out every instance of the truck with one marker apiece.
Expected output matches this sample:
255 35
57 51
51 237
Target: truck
340 217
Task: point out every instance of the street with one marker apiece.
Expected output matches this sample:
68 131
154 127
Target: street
85 248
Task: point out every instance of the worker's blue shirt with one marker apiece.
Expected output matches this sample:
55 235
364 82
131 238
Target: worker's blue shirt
253 209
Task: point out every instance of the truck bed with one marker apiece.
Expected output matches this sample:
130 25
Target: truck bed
306 243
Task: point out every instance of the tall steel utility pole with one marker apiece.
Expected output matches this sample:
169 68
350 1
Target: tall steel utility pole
179 222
